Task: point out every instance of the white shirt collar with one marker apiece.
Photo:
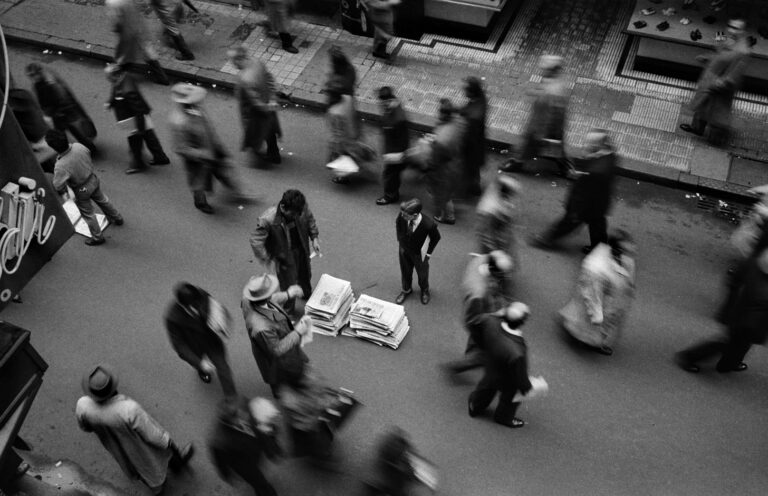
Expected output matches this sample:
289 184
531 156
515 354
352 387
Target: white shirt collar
514 332
416 221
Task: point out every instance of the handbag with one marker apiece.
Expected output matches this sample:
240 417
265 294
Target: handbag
551 148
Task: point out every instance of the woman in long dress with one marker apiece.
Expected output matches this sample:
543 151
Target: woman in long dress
603 294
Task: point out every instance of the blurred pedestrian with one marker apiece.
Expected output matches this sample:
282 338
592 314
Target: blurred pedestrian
413 229
169 12
745 318
603 294
275 341
343 77
394 130
397 468
487 286
196 323
255 91
381 15
132 112
74 169
474 113
545 131
443 168
141 446
244 433
287 236
718 84
132 46
345 133
196 141
506 360
497 215
589 198
59 103
279 13
28 114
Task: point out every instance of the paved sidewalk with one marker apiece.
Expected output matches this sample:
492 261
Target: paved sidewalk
642 110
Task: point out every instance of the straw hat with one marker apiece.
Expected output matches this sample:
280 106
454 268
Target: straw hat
186 93
550 62
261 287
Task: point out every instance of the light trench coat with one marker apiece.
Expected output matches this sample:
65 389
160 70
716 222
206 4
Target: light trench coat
603 295
137 442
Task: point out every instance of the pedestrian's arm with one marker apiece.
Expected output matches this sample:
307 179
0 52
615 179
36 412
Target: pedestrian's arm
279 347
314 233
60 178
434 238
187 147
258 241
82 422
147 428
591 289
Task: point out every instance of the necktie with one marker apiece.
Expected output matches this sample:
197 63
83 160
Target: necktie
411 226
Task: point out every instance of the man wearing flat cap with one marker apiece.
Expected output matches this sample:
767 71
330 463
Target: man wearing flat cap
412 230
275 341
141 446
198 144
718 84
506 359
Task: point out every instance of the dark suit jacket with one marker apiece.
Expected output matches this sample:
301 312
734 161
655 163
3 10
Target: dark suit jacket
126 100
271 239
506 354
746 312
394 126
190 336
411 242
275 344
590 195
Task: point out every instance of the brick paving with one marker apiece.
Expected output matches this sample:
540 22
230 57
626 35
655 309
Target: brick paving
642 110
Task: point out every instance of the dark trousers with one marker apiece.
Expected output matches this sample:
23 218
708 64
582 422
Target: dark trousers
718 135
216 353
297 272
410 261
732 350
532 149
483 395
474 358
598 228
391 178
250 472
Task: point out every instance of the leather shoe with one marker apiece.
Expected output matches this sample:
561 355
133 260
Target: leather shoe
402 296
95 241
160 161
181 457
470 409
741 367
385 200
425 297
514 423
205 208
118 221
134 170
686 365
204 376
605 350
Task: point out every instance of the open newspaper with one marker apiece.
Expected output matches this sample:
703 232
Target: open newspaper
77 219
378 321
329 305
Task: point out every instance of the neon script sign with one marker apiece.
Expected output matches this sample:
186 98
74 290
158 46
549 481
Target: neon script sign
22 220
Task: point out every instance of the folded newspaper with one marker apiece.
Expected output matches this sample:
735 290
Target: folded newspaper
329 305
77 219
378 321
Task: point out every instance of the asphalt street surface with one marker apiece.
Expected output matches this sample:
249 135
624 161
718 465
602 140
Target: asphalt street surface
632 423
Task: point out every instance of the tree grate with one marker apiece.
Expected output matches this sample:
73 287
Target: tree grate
733 212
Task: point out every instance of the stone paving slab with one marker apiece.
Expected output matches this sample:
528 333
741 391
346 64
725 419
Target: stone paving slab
643 115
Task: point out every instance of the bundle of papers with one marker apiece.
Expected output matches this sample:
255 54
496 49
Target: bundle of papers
329 305
378 321
77 219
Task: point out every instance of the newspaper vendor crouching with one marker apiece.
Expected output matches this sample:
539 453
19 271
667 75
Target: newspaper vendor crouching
314 410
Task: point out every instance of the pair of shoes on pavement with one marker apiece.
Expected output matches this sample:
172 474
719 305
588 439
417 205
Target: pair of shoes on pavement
425 296
95 241
693 368
386 200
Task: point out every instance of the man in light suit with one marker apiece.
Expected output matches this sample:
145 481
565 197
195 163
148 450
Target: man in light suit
413 229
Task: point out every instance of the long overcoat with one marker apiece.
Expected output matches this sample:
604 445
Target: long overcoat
255 90
719 83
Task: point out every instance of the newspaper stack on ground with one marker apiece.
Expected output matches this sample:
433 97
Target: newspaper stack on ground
379 321
329 305
77 219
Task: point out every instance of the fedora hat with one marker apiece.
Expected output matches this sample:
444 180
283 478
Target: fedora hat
100 382
260 287
186 93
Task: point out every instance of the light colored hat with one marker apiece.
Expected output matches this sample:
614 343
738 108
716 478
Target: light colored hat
550 62
596 138
502 260
737 24
263 410
113 68
509 183
238 52
100 382
186 93
260 287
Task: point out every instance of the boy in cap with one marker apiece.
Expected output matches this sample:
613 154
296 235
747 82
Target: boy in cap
142 448
413 229
74 169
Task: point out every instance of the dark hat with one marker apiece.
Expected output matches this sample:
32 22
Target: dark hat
411 207
261 287
100 382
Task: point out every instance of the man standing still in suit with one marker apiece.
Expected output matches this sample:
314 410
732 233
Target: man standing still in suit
412 230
